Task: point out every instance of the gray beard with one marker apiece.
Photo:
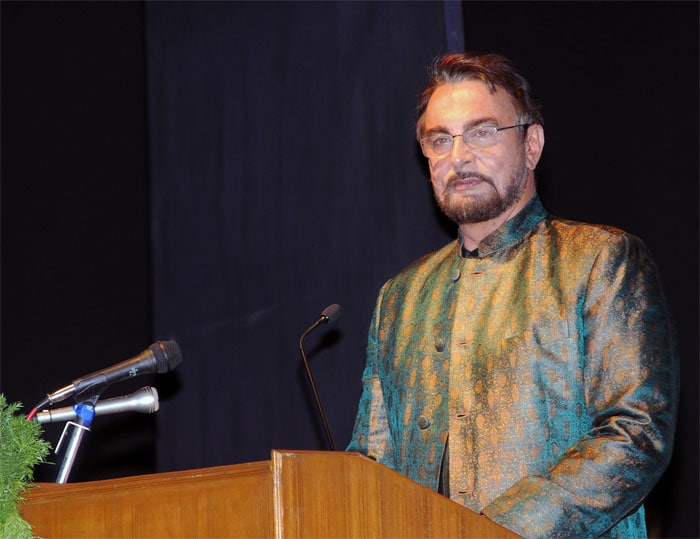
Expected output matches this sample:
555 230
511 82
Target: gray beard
469 210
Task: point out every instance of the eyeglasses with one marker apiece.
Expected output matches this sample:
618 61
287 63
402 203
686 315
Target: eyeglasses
440 144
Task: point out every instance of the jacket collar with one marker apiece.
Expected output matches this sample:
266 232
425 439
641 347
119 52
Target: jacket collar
509 232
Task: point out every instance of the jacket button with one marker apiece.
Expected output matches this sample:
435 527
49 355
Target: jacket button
439 345
423 423
455 274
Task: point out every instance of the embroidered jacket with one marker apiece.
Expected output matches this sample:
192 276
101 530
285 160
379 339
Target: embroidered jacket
549 363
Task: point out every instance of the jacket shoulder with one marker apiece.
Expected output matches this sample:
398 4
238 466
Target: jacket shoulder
426 264
593 236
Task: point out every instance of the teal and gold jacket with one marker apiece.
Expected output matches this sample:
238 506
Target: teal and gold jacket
549 363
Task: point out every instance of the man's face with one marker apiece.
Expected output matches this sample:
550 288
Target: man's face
477 185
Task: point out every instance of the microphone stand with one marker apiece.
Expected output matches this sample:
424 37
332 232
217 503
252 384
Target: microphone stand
85 412
329 437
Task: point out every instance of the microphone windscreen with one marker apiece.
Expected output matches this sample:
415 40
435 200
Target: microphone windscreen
167 354
332 312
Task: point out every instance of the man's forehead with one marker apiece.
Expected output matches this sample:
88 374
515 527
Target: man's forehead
466 100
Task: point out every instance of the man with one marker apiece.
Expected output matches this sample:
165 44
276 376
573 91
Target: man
528 369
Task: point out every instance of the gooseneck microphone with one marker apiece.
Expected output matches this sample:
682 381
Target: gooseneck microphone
328 315
160 357
144 400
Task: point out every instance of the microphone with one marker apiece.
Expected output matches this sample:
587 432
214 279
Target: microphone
160 357
328 315
144 400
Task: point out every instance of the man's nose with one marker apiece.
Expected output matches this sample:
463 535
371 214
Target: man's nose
461 152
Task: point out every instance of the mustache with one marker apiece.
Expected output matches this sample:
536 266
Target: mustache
463 175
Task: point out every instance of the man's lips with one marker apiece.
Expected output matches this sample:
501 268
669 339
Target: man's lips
470 181
467 181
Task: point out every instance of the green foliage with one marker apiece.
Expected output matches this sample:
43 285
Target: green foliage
21 448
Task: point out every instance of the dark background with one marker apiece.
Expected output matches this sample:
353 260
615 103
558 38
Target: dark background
218 173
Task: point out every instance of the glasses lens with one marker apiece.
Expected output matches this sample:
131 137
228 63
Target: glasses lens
437 145
481 137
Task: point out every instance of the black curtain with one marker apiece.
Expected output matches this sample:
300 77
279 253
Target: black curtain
76 283
285 177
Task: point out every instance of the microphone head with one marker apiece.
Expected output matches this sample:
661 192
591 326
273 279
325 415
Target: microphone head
167 354
145 400
331 312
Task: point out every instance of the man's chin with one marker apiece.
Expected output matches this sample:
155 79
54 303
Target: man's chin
471 211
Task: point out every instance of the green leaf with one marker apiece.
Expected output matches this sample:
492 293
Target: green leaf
21 449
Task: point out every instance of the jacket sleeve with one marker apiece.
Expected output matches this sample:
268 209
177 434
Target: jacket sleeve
631 385
371 435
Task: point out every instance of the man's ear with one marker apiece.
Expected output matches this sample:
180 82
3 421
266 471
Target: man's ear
534 144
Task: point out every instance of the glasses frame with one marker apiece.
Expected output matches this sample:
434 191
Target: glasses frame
495 130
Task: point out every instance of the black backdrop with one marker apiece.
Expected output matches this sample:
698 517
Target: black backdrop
219 173
284 178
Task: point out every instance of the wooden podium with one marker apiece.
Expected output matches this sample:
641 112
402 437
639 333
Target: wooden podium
301 494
